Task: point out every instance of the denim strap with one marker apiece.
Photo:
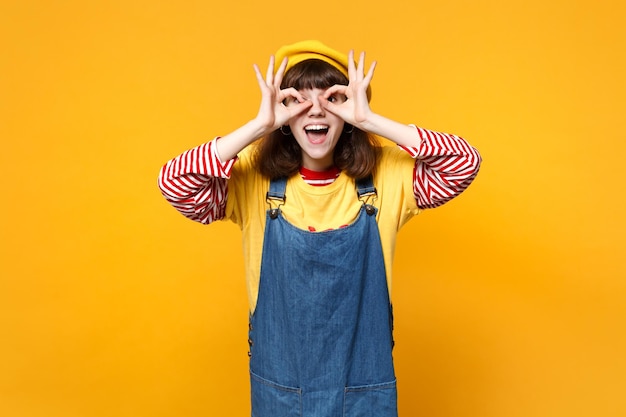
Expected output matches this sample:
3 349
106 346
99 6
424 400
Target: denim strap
365 187
277 189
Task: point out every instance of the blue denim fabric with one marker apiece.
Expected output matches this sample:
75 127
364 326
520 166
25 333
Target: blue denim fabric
321 335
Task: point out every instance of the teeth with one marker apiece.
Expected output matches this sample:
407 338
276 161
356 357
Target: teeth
316 127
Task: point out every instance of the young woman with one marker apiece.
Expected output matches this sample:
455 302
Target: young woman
319 203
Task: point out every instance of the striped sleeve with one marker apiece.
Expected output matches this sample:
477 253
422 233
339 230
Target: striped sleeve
445 166
196 183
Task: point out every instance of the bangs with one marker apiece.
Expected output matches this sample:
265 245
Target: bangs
313 73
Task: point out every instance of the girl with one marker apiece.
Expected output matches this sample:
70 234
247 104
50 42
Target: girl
319 203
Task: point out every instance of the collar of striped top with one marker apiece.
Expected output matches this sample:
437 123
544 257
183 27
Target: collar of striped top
319 178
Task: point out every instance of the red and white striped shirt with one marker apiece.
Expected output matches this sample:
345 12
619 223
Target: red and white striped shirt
195 182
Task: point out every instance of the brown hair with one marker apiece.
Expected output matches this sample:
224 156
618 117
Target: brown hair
278 155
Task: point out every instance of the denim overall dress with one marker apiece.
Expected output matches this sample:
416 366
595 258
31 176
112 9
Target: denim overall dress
321 334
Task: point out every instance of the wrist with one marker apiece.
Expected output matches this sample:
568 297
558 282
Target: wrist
257 128
369 123
401 134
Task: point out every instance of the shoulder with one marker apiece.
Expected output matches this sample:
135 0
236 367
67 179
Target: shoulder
394 179
246 158
246 187
394 162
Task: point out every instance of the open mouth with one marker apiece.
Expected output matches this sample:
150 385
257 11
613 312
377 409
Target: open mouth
316 133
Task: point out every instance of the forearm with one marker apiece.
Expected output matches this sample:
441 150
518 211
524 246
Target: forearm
229 146
401 134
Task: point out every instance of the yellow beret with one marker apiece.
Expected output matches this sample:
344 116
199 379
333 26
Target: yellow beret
301 51
312 49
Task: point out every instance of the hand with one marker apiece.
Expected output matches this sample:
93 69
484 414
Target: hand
273 113
355 109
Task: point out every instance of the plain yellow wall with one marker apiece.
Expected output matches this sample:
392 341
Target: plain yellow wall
510 301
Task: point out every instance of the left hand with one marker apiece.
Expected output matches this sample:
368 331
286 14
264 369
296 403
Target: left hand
355 109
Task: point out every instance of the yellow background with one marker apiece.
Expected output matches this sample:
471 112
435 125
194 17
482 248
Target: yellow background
510 301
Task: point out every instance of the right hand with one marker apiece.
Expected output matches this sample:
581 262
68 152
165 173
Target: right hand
273 113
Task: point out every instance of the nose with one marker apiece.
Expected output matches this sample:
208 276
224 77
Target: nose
316 109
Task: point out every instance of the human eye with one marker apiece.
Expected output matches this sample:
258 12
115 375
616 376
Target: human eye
291 101
336 98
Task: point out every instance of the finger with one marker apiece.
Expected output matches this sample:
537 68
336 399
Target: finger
335 89
370 73
351 67
299 108
280 73
269 77
361 65
326 104
333 108
296 110
259 76
291 92
257 71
